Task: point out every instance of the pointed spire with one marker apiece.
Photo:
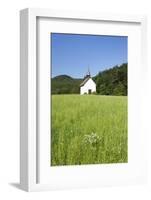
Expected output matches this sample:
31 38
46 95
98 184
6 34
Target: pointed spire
88 74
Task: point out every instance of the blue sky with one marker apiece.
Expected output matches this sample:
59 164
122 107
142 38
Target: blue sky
72 54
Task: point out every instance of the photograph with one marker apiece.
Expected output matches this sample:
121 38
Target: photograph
88 99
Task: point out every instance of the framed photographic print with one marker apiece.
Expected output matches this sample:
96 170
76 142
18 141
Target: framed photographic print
82 79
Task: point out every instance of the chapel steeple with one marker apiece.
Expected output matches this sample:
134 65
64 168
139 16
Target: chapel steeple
88 75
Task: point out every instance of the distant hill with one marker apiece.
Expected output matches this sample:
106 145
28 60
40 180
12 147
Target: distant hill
64 84
108 82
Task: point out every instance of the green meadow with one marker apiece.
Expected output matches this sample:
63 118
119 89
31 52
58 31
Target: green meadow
88 129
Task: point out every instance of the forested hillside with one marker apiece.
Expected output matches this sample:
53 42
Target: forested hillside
112 81
64 84
109 82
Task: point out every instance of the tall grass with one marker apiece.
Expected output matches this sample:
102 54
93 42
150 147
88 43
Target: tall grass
88 129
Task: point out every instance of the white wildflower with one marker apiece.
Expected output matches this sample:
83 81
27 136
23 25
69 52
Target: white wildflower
92 139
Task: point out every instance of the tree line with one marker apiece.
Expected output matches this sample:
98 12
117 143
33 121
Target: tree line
112 81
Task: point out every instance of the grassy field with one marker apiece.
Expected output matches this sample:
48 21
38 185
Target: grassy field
88 129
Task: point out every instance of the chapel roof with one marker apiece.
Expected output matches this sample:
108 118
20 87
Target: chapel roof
84 81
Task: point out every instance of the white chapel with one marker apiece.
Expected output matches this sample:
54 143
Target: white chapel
88 86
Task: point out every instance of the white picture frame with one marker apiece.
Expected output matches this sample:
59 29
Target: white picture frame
30 168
